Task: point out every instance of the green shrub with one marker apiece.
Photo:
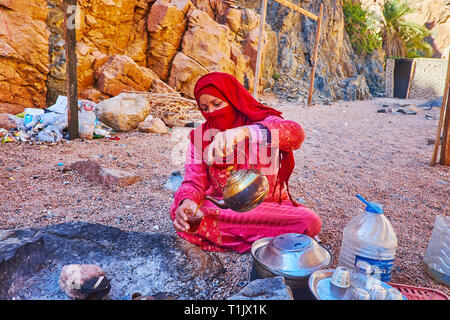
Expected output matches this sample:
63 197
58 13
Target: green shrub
362 37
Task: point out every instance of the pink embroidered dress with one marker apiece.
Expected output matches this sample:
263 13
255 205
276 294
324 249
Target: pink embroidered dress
225 229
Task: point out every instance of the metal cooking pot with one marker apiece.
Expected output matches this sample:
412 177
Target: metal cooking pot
291 255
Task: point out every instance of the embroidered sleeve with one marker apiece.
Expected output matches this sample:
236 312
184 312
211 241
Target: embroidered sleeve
287 134
260 134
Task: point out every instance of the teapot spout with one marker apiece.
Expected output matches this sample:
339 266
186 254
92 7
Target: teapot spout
220 203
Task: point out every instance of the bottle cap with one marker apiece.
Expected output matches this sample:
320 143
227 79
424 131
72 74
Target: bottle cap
371 206
375 207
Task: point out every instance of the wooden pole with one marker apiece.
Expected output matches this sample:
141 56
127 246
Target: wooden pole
441 115
316 49
411 76
71 67
260 43
298 9
445 147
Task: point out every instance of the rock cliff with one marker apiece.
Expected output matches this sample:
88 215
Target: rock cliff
167 45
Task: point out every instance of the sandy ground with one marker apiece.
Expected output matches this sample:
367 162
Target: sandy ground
349 149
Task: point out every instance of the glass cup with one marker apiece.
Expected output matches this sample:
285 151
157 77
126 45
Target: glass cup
394 294
360 294
340 281
194 219
377 292
361 275
341 277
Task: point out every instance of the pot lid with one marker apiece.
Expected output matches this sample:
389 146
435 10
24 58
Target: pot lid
292 254
292 242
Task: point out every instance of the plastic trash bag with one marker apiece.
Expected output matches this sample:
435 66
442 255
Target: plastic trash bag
49 134
58 120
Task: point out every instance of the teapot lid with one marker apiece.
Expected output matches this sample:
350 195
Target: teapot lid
235 175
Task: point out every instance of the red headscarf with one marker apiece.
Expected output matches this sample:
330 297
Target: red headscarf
245 110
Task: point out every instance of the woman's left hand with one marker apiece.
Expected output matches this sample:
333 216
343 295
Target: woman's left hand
224 142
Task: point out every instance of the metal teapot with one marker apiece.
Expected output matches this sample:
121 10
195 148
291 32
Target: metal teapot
245 189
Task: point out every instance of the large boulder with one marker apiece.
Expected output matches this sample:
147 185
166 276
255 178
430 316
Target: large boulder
166 24
208 43
184 73
24 59
120 73
123 112
89 59
207 47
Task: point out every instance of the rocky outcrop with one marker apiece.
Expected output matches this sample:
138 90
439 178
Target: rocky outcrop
24 60
168 44
435 16
175 41
121 73
166 24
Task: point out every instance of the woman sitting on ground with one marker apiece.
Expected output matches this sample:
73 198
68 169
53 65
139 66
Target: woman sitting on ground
236 123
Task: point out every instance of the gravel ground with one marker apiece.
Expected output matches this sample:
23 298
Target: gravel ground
349 149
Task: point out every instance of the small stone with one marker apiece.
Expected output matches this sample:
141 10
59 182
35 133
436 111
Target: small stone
6 121
110 177
265 289
153 126
84 282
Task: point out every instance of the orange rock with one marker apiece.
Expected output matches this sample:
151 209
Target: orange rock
184 74
93 94
24 55
166 24
159 86
120 73
107 24
208 43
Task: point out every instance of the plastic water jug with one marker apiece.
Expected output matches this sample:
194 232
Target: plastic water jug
86 124
369 236
437 256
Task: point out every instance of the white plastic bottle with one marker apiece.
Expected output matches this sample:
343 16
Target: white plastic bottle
369 236
437 256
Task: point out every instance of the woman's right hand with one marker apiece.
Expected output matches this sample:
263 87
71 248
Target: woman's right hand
187 207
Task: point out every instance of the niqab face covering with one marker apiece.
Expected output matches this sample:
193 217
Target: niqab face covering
222 119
